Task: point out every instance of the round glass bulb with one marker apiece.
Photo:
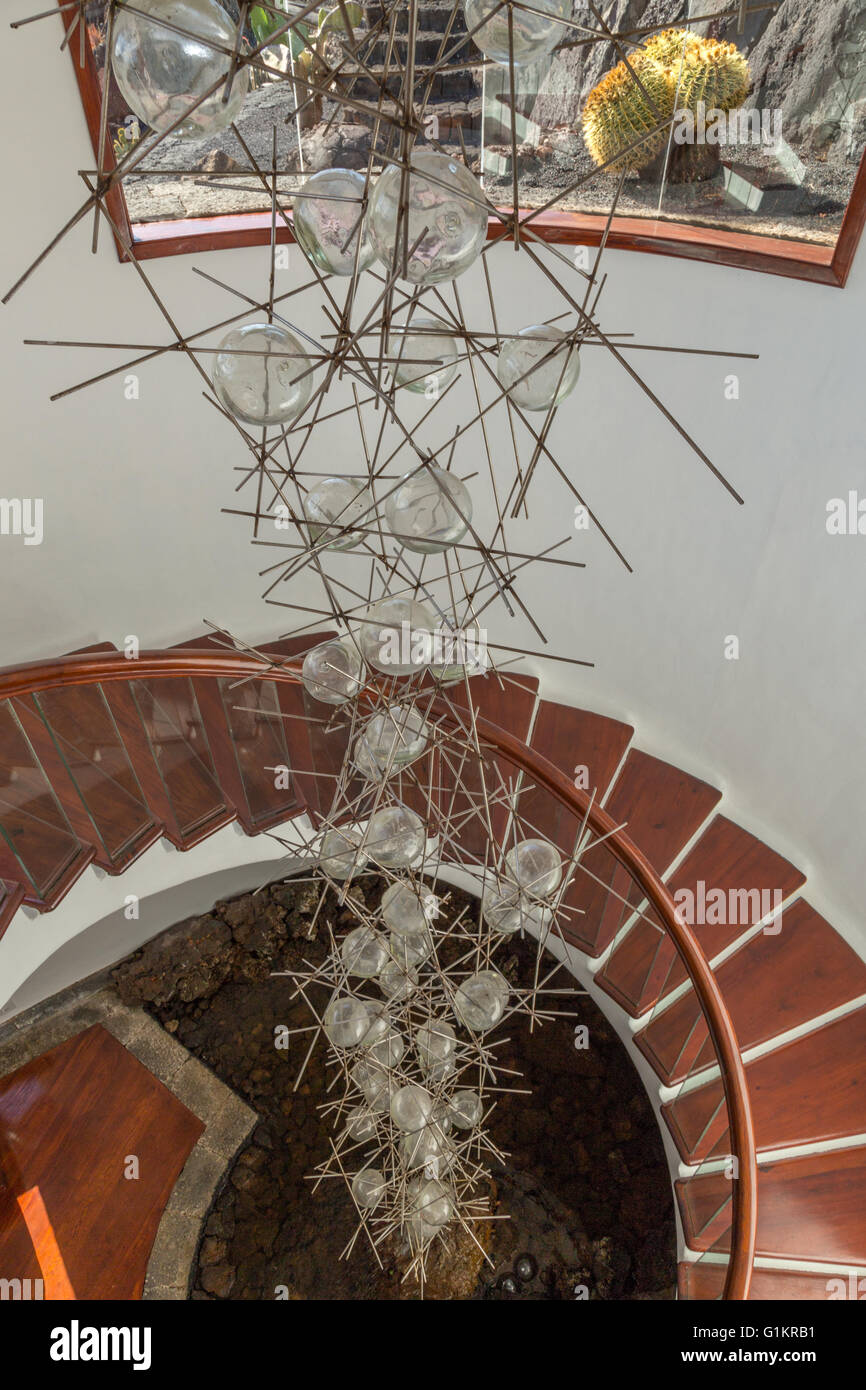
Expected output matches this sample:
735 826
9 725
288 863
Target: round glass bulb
389 1052
345 1021
509 911
161 73
406 912
535 866
327 217
435 1046
335 503
340 856
333 672
397 981
373 1081
361 1124
447 219
533 35
411 1108
434 1204
481 1000
427 1148
396 836
363 953
379 1022
430 511
262 374
410 950
533 371
391 740
396 636
465 1109
423 356
369 1187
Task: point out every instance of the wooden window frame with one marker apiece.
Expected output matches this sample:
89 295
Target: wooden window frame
798 260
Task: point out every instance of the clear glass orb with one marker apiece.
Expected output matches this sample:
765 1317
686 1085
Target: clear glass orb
398 981
547 383
435 1046
327 217
334 672
406 912
361 1124
363 953
533 35
396 836
374 1082
465 1109
481 1000
508 911
390 740
390 1050
430 511
411 1108
379 1022
340 855
535 866
369 1187
161 74
410 950
445 204
434 1204
427 1148
345 1021
262 374
396 636
333 503
423 356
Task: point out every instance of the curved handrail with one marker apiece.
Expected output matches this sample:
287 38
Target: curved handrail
90 668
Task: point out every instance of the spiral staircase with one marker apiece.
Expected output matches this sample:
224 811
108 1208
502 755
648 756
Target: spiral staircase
749 1034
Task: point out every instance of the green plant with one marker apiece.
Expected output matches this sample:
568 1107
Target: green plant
676 70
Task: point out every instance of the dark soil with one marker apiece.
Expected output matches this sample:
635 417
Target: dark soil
585 1183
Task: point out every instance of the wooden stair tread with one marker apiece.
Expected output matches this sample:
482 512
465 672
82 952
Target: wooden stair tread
661 807
810 1208
812 969
701 1281
807 1091
726 859
70 1118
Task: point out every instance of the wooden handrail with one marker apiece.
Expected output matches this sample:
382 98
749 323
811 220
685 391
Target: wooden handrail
92 668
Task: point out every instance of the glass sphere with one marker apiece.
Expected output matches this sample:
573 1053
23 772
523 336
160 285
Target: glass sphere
450 213
465 1109
327 219
335 503
546 384
396 636
333 672
535 866
369 1187
340 855
430 510
390 740
363 953
480 1001
405 912
533 35
161 74
509 911
410 950
423 356
262 374
526 1268
379 1022
435 1046
396 836
397 981
411 1108
427 1148
373 1081
345 1021
389 1052
361 1124
434 1204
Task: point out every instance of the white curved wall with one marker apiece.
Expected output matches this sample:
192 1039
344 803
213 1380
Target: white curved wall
135 541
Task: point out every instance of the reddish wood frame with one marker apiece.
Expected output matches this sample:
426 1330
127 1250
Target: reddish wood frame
824 265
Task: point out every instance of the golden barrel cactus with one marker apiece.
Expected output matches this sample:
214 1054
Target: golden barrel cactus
676 69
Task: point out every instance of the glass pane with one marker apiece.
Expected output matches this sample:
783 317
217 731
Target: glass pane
258 737
32 822
170 714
